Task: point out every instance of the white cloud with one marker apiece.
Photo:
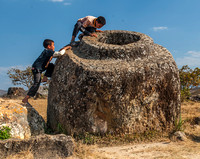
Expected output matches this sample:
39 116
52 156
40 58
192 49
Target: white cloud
67 4
159 28
194 53
192 59
60 1
56 0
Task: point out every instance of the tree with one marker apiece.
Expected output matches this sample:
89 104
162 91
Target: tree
189 79
21 77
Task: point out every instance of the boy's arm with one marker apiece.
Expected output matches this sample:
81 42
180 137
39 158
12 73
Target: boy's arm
61 51
85 24
82 29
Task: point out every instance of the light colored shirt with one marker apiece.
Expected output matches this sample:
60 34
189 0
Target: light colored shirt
87 21
59 53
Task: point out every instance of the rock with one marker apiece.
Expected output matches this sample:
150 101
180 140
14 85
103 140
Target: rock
195 98
35 120
15 92
120 82
42 146
178 136
24 121
195 91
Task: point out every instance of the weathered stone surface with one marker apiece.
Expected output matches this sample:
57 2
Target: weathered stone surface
15 92
35 120
120 82
24 121
42 146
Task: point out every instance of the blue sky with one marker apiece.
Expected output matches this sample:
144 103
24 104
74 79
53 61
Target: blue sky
24 24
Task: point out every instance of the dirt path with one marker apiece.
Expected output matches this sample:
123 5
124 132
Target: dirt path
167 150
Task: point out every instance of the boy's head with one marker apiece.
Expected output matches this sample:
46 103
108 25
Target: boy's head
49 44
101 21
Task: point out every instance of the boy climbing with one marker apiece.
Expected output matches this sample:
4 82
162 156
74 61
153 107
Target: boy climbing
41 64
88 26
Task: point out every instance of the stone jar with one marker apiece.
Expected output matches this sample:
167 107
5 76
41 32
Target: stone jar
121 82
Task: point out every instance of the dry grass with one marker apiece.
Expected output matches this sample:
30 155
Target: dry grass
160 147
190 110
22 155
83 151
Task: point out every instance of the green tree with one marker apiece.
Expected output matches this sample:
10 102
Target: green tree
189 78
21 77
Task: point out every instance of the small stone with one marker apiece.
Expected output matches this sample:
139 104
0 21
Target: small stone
14 92
178 135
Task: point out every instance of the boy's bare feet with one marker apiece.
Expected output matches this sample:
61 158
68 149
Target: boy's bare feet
45 79
25 100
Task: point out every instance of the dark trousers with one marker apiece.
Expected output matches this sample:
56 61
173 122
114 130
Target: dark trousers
37 79
78 27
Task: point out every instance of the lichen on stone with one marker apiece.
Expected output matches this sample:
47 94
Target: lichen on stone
120 82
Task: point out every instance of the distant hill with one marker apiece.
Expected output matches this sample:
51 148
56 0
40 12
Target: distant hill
2 92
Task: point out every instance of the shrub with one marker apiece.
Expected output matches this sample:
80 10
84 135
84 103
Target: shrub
189 78
5 133
179 124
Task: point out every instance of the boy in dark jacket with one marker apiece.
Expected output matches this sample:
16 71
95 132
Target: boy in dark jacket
41 64
88 26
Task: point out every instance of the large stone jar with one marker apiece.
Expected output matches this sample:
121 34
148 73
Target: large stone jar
120 82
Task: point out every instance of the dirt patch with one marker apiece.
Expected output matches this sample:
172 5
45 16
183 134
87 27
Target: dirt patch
153 150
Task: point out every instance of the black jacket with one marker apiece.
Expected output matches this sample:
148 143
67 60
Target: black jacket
42 60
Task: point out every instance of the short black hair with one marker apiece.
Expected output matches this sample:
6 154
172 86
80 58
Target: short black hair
47 42
101 20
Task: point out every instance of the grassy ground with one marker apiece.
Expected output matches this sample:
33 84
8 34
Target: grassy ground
154 146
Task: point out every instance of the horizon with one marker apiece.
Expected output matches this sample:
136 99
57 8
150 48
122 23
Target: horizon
25 24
